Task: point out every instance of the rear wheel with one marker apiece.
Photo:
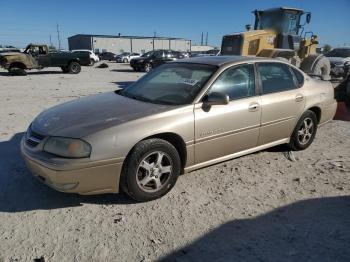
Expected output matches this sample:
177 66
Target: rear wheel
304 132
151 170
317 65
125 60
74 68
92 62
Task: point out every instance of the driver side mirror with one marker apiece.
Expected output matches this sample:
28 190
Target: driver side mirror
308 18
216 98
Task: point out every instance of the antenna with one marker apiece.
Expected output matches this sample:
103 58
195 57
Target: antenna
58 37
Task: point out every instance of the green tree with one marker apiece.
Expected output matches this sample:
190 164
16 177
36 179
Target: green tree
327 48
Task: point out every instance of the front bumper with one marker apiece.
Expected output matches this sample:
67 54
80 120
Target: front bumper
96 177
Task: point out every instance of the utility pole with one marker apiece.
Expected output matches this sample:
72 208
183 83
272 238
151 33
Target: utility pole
58 37
50 41
202 39
206 39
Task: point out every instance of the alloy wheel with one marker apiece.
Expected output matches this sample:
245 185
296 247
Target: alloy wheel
306 131
154 171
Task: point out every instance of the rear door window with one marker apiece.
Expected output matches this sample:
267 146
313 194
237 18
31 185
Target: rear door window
275 77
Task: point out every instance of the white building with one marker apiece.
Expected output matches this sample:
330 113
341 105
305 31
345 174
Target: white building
118 44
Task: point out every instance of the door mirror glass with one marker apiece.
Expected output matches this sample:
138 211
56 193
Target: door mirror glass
216 98
308 18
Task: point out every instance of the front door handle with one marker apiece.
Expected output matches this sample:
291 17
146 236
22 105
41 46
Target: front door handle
253 107
299 98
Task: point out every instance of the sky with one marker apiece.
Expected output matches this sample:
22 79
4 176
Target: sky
22 22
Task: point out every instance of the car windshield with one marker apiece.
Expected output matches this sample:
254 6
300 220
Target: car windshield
171 84
341 52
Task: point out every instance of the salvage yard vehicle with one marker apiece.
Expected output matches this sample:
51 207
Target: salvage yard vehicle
93 57
107 56
119 58
38 57
153 59
278 33
340 61
179 117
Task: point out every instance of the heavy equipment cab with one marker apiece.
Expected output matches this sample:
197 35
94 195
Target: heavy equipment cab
279 33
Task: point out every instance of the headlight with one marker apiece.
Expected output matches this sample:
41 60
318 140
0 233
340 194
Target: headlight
67 147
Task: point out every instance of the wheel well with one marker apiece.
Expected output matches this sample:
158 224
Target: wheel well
177 142
317 112
18 64
73 60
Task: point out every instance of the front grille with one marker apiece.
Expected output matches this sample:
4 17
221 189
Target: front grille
33 138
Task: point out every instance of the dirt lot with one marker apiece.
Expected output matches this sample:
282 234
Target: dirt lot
261 207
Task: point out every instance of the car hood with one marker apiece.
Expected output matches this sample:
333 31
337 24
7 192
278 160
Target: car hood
7 54
338 59
84 116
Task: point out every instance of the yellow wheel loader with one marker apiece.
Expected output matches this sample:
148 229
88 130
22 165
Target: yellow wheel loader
279 33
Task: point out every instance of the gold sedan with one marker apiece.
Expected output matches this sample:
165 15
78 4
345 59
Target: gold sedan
182 116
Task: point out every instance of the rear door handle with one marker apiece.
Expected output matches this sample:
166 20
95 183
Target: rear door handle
299 98
253 107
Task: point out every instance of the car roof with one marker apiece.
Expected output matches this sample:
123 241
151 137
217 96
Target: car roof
221 60
85 50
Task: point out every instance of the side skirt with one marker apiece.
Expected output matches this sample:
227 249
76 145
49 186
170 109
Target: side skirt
235 155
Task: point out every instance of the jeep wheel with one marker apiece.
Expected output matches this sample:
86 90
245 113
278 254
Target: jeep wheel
125 60
74 68
17 71
151 170
92 62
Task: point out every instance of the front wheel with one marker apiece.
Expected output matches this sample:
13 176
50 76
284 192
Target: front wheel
151 170
147 67
92 62
17 71
125 60
74 68
304 132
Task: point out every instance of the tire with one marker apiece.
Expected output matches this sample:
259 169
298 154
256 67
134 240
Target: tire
15 71
92 62
74 68
149 181
125 60
147 67
301 131
65 69
317 65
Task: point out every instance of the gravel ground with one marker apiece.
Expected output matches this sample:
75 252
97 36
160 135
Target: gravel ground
267 206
